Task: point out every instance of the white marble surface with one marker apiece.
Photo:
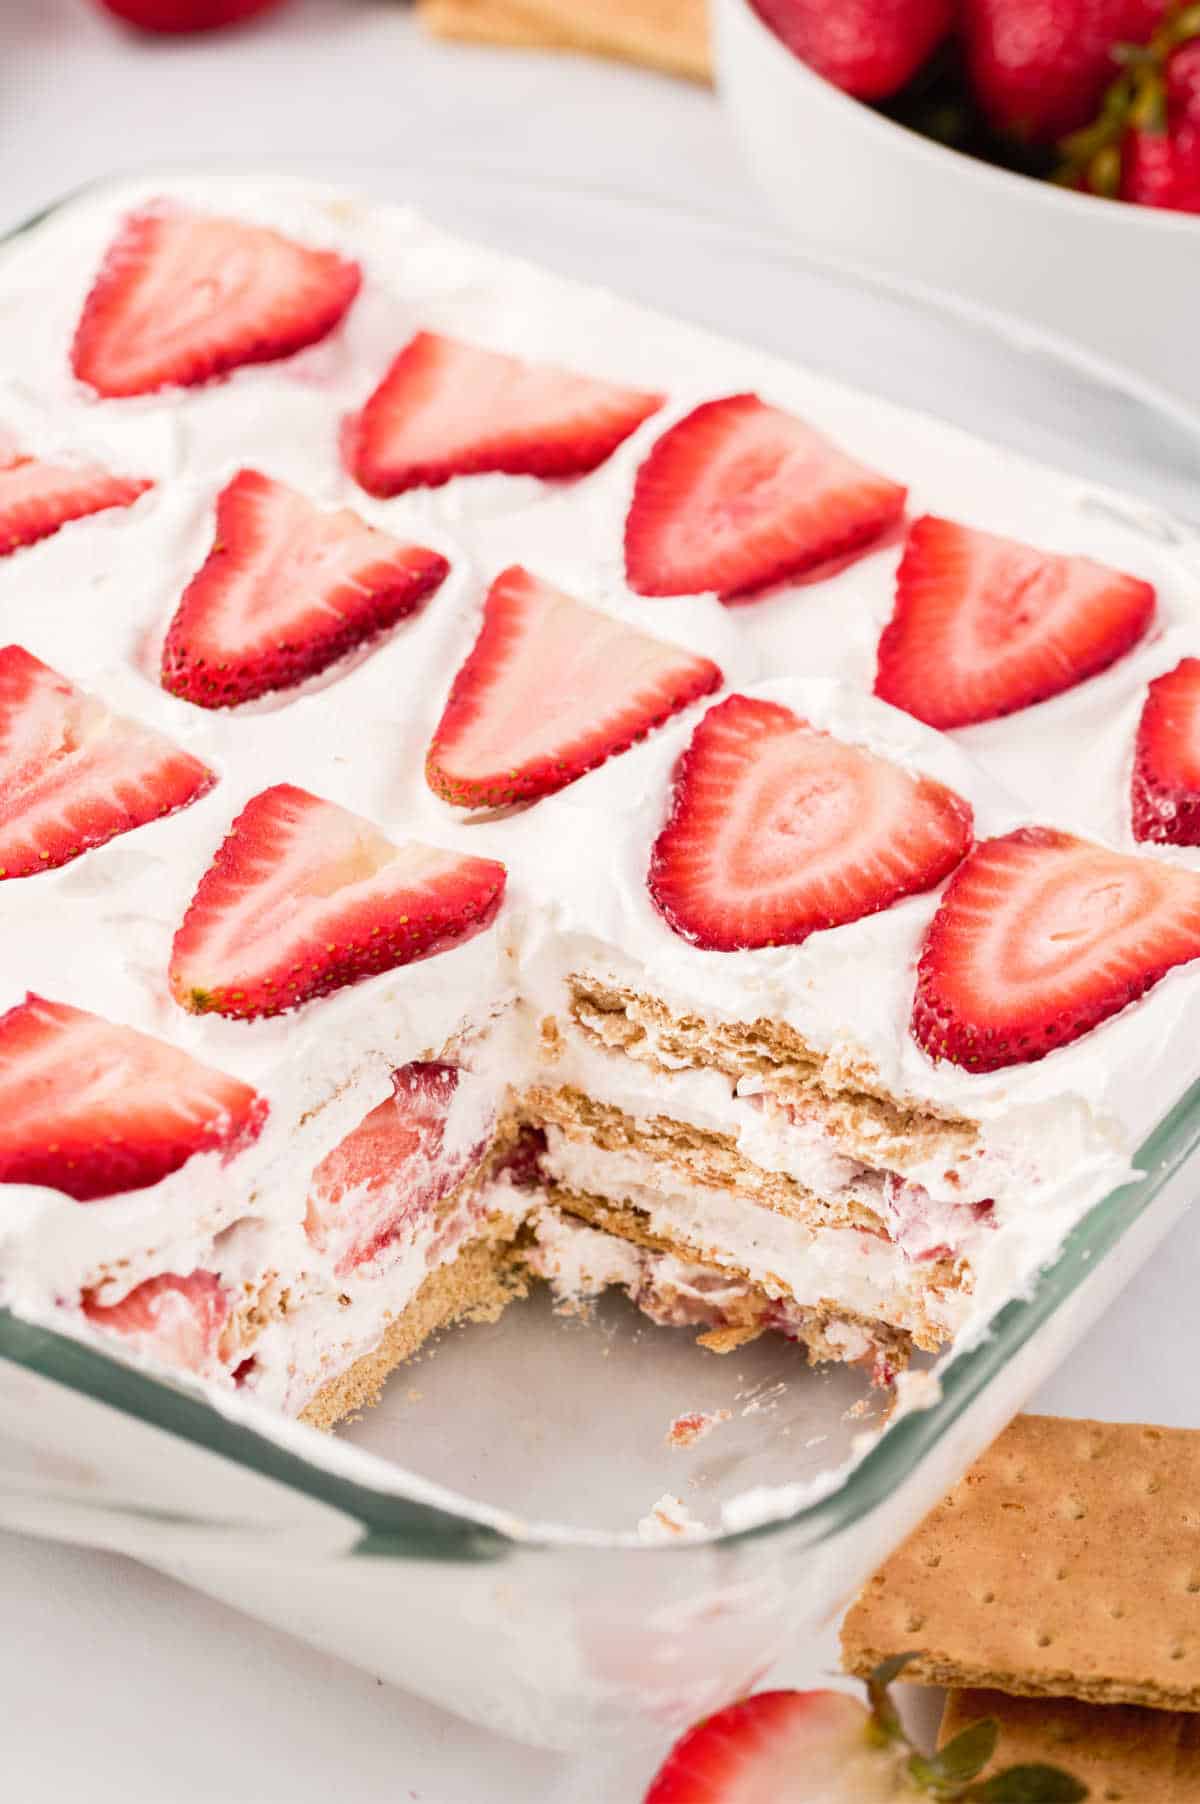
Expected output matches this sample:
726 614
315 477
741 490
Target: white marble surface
115 1683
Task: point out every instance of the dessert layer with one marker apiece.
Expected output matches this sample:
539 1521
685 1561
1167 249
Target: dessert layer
582 1248
475 1286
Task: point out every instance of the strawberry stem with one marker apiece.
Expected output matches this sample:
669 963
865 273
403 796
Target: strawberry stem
951 1776
1136 100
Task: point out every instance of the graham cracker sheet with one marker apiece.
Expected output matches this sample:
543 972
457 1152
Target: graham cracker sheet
1123 1753
1065 1563
669 35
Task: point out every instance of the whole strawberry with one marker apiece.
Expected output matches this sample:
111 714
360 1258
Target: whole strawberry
871 48
1039 68
824 1747
1160 156
1144 145
174 17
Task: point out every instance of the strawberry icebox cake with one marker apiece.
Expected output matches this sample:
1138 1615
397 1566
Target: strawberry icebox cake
499 787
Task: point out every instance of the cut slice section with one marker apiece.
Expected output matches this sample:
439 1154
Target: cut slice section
551 689
184 296
984 626
739 495
451 409
1040 937
175 1318
285 592
36 498
94 1109
777 831
304 897
385 1177
72 775
1166 760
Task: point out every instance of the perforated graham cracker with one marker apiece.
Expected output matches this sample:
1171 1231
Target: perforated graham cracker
1066 1563
1123 1754
670 35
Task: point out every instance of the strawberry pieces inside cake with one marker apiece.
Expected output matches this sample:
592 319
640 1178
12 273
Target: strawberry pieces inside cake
790 1008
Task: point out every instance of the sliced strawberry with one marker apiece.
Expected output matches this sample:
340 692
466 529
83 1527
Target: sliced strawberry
1166 760
1041 936
72 775
304 897
36 498
805 1747
184 296
739 495
451 409
173 1318
286 591
551 689
94 1109
984 626
777 831
387 1176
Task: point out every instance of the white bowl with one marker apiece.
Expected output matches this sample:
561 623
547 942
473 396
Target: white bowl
1118 279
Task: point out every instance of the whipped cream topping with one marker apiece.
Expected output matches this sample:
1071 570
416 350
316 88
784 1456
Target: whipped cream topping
93 601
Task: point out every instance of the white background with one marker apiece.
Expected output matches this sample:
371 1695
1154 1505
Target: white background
114 1683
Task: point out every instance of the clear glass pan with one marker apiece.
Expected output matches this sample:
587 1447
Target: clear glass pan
497 1569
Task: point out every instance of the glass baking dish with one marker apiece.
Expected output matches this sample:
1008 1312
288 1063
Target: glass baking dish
476 1539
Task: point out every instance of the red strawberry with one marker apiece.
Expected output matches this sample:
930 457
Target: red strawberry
1166 761
304 897
94 1109
37 498
1160 153
1039 938
871 48
286 591
984 626
172 17
72 775
551 689
182 297
451 409
1144 143
738 495
1040 69
825 1747
392 1171
172 1318
777 831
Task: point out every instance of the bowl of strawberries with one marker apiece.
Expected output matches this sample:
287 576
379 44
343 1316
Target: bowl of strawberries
1038 157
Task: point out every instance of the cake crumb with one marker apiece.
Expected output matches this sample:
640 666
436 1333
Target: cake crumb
415 1396
761 1397
857 1410
669 1520
686 1430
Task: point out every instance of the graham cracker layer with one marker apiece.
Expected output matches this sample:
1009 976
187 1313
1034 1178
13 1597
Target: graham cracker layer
839 1089
476 1286
750 1315
1123 1753
670 35
1066 1563
698 1155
